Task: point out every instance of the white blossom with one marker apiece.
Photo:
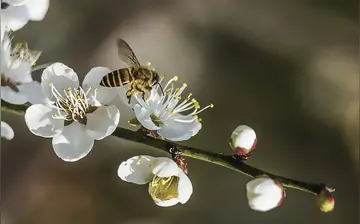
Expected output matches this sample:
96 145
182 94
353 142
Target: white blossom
163 112
6 131
243 140
168 184
264 194
17 85
16 13
71 115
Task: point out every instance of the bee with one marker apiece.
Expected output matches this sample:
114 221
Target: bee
140 78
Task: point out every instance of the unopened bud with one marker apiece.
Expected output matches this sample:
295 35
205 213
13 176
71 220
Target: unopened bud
325 200
243 140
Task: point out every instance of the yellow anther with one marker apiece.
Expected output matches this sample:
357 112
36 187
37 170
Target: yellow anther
185 85
175 78
148 64
50 84
153 69
211 105
194 100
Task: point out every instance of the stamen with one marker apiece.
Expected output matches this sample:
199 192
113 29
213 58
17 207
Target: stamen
72 105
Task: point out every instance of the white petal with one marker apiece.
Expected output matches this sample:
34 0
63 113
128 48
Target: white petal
243 137
33 92
165 167
102 122
5 49
185 188
73 143
19 71
37 9
124 99
143 116
12 97
263 194
93 78
61 76
6 131
14 17
179 131
39 120
16 2
166 203
137 169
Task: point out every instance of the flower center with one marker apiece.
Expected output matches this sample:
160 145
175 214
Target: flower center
6 81
164 188
171 103
22 52
72 105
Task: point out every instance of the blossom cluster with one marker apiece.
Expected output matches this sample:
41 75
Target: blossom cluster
73 115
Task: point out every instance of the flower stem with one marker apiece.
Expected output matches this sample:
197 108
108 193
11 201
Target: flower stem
228 161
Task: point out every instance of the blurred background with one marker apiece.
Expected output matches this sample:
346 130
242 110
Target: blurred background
286 68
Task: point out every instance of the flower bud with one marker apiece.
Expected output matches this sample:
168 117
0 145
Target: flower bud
325 200
243 140
264 194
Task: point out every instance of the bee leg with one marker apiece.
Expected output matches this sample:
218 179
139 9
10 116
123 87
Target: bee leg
128 94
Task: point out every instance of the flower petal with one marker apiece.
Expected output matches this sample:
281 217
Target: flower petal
243 137
14 17
37 9
9 95
166 203
102 122
6 131
263 194
137 169
143 116
93 78
19 71
16 2
61 76
179 131
185 188
124 99
33 92
73 143
39 120
165 167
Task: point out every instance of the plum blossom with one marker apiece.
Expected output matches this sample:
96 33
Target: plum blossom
243 140
6 131
163 112
17 85
16 13
264 194
168 184
71 115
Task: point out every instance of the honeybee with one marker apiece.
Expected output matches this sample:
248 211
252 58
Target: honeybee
140 78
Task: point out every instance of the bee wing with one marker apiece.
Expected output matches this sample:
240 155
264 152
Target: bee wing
126 54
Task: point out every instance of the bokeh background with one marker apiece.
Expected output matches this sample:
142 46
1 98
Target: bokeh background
286 68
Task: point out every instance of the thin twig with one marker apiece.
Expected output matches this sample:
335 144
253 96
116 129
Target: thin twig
228 161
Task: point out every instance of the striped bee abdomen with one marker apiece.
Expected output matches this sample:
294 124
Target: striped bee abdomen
116 78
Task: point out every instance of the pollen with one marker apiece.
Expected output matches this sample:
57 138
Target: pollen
176 78
211 105
148 64
185 85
